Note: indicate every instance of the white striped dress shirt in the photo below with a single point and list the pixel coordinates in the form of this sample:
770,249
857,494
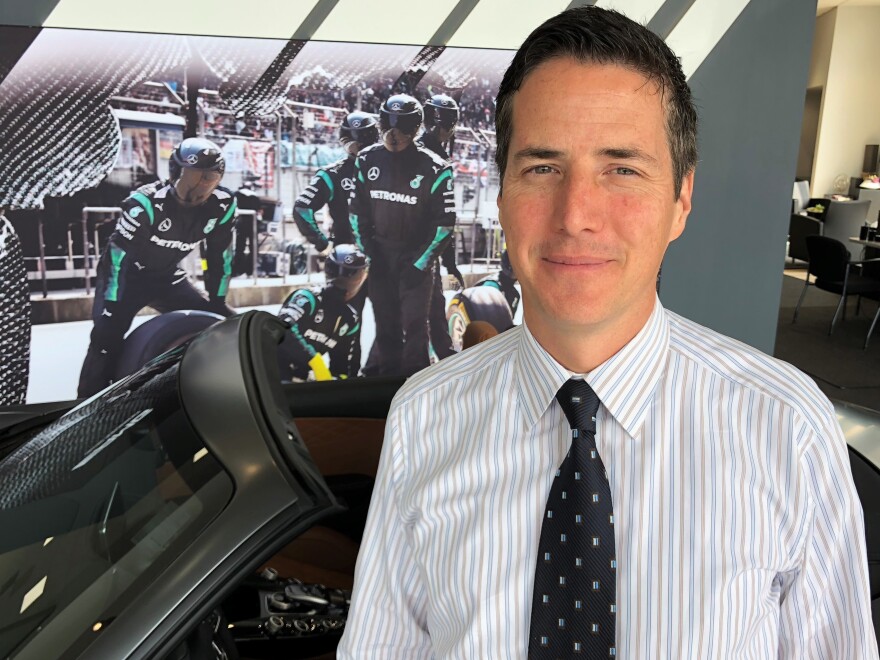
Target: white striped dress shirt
737,526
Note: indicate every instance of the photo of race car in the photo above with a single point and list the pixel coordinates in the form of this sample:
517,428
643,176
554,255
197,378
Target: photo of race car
200,508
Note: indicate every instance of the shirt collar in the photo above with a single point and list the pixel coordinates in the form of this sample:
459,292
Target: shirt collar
624,383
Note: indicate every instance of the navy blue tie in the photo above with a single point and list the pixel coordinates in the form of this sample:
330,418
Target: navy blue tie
574,606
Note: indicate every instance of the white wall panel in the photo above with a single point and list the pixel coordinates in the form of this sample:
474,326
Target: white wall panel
504,24
255,18
701,29
385,21
638,10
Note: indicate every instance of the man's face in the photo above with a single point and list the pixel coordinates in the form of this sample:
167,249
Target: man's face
588,204
352,147
396,140
194,187
444,132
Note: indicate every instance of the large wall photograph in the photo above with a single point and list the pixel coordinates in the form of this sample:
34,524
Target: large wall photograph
99,180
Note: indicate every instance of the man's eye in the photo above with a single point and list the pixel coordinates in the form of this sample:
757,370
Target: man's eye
625,171
542,169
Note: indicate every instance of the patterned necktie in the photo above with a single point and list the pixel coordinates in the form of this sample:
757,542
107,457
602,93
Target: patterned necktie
574,607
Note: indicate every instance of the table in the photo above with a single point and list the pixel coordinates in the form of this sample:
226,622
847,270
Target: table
871,244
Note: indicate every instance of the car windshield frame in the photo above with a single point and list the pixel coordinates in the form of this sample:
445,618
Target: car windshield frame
125,481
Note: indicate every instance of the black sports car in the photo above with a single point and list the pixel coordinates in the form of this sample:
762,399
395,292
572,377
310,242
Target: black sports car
201,509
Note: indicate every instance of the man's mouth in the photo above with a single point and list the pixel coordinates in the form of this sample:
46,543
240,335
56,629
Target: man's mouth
579,260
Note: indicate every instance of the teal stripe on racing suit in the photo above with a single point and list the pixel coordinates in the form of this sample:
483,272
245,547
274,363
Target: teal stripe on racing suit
146,203
436,246
117,254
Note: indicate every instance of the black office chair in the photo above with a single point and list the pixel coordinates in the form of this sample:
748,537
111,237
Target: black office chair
799,227
871,270
831,264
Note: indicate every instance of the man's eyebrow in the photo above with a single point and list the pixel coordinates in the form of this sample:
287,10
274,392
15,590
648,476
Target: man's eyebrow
627,153
538,153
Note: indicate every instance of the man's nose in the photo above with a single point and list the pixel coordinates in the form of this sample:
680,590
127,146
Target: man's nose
580,204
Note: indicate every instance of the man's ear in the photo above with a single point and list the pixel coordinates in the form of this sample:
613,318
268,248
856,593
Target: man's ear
682,206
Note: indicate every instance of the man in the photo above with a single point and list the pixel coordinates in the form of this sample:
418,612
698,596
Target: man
402,214
441,117
331,186
323,320
728,525
161,223
246,244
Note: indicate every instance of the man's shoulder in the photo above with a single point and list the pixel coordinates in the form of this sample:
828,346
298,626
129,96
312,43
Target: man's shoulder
219,209
452,376
435,159
222,194
747,367
372,152
304,297
334,169
145,194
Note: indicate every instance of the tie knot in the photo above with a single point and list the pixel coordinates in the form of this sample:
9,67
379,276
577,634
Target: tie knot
579,403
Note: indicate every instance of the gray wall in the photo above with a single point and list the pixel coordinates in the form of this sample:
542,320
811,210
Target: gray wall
726,269
25,12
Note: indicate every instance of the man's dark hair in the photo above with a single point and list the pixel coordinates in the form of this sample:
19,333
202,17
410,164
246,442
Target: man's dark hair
603,36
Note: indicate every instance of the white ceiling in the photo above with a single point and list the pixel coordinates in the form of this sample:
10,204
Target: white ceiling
828,5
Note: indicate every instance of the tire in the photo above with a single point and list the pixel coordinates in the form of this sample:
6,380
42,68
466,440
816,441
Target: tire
478,303
457,318
159,335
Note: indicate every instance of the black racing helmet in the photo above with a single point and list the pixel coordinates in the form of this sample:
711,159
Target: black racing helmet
198,154
401,111
360,127
196,168
441,110
346,268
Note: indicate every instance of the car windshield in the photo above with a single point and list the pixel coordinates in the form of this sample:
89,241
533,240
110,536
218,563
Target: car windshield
96,506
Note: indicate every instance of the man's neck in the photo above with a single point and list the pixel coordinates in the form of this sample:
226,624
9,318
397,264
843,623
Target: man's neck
582,348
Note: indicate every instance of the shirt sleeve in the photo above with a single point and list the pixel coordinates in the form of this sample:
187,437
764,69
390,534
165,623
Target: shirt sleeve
219,253
388,615
133,228
298,311
360,211
441,219
318,193
825,609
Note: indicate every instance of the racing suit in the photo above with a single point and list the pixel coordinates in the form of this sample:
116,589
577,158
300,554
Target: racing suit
243,261
139,268
437,324
321,322
332,186
402,215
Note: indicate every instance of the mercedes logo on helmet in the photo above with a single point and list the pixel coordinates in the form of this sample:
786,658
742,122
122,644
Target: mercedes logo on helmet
349,259
395,106
192,159
355,123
